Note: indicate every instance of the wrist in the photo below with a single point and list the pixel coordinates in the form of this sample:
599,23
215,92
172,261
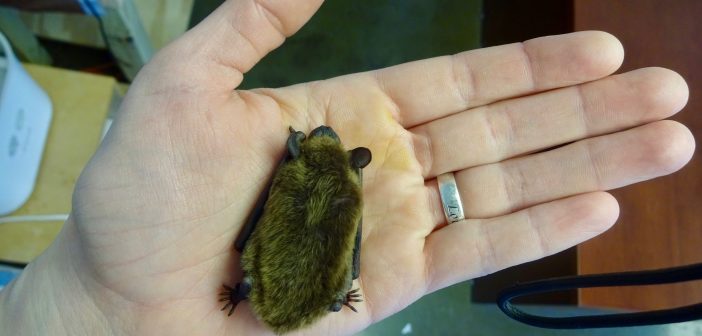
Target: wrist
50,298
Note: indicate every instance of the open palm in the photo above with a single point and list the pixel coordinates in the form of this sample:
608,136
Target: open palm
158,208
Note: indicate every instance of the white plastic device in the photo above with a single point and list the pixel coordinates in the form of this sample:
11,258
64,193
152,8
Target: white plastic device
25,116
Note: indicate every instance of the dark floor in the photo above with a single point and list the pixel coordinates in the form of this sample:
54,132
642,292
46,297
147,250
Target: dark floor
450,312
351,36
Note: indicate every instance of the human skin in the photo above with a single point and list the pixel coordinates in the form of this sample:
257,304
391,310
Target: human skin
149,240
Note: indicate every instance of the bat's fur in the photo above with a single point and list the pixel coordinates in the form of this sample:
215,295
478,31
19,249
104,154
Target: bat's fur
298,258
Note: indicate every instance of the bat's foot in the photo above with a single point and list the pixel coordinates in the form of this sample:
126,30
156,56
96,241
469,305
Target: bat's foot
232,296
352,296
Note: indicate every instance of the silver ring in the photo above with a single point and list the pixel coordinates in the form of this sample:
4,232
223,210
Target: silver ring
450,199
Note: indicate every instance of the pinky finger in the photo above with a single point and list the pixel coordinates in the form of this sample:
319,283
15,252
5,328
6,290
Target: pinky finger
473,248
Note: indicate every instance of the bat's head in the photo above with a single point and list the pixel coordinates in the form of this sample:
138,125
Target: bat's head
359,157
325,131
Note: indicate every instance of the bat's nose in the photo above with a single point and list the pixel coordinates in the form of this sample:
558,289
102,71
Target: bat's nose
324,131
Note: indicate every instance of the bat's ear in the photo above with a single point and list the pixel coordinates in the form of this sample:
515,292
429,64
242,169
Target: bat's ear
360,157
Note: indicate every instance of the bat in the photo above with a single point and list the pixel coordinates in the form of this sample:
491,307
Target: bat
301,244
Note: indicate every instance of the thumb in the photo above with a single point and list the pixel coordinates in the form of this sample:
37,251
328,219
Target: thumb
231,40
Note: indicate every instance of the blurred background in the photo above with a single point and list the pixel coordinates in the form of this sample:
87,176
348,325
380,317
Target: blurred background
82,55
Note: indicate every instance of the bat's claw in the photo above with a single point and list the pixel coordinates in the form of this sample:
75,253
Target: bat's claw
229,295
352,296
232,296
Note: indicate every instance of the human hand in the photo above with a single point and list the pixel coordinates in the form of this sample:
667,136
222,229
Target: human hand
149,241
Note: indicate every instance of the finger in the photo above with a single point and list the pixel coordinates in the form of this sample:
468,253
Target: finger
513,127
233,38
473,248
602,163
429,89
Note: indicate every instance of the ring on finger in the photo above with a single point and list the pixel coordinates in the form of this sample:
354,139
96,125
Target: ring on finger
450,198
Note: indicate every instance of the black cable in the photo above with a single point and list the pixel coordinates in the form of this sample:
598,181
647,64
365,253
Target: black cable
639,278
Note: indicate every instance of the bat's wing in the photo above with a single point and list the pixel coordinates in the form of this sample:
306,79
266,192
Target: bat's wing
293,151
360,157
356,262
252,220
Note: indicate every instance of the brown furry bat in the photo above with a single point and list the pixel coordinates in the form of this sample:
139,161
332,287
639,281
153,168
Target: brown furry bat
301,245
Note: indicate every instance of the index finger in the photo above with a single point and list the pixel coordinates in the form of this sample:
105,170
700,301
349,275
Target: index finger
433,88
